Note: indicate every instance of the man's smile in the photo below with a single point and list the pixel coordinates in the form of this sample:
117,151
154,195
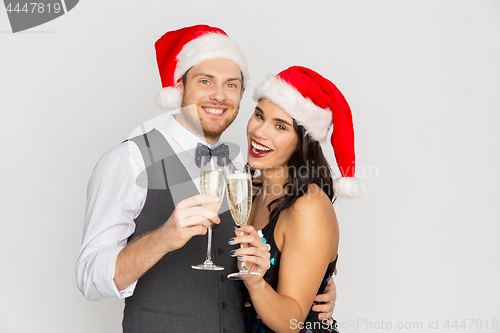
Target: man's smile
214,110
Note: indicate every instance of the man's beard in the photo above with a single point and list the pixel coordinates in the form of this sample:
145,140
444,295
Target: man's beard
212,133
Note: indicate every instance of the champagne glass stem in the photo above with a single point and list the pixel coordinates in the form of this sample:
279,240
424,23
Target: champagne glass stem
243,264
209,247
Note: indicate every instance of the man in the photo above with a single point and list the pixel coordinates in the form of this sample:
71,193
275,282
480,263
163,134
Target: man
143,217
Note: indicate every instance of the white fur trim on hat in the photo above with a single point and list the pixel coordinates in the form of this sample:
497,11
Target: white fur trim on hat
348,187
209,46
316,121
169,98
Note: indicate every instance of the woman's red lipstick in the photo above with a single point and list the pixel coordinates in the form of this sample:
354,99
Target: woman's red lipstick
256,149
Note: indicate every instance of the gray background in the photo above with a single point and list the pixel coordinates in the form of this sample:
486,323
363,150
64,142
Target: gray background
422,79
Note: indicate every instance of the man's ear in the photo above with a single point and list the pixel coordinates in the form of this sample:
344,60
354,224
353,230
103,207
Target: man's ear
180,85
242,91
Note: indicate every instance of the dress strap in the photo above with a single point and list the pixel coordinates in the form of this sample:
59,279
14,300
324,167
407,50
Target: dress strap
268,231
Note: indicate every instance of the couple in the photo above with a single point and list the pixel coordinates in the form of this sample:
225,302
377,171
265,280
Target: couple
143,219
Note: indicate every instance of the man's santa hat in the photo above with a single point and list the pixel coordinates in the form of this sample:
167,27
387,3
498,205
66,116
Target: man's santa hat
177,51
316,103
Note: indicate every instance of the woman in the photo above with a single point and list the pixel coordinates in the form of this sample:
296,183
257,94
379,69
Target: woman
293,207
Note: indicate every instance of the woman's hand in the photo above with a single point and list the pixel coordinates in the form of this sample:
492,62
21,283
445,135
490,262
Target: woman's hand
255,253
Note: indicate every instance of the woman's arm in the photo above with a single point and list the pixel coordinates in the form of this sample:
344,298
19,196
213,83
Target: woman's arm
310,236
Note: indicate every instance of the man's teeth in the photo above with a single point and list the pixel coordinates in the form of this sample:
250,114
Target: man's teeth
216,111
256,146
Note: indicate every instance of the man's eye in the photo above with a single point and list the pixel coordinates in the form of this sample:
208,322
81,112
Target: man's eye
232,85
204,81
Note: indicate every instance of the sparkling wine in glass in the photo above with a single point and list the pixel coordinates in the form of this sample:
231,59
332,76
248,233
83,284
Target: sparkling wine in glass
211,182
239,197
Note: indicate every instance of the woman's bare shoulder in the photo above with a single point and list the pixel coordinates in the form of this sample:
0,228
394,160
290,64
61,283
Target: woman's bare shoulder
314,207
312,201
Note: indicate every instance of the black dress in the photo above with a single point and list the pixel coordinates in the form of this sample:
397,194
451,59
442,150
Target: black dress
311,324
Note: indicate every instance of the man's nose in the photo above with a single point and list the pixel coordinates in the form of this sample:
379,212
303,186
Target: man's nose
218,93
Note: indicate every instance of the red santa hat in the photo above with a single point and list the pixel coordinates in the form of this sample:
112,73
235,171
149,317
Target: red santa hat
316,103
177,51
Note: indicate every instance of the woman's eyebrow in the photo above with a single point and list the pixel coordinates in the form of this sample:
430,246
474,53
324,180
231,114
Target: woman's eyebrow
277,119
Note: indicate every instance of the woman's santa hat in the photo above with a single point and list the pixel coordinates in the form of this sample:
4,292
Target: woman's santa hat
316,103
177,51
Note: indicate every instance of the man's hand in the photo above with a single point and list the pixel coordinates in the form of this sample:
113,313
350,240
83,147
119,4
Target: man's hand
187,220
328,298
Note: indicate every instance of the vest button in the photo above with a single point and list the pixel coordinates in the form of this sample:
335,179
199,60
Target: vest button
224,305
220,251
223,278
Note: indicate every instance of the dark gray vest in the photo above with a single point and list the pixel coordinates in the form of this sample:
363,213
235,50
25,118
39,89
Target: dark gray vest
171,296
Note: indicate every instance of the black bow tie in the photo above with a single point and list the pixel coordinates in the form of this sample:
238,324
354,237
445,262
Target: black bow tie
203,150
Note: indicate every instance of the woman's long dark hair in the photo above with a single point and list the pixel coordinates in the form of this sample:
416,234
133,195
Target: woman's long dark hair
306,166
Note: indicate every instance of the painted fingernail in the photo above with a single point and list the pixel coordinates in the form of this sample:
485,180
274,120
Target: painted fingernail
237,227
240,257
233,252
231,241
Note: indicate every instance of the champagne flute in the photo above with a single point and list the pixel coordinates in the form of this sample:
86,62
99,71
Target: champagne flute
211,182
239,197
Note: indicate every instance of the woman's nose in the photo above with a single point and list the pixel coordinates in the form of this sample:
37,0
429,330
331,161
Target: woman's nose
261,131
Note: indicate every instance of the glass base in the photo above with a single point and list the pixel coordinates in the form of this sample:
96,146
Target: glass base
242,275
208,266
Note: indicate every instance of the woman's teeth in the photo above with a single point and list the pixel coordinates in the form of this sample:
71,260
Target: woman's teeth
256,147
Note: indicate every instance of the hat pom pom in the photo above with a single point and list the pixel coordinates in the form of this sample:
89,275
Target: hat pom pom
348,188
169,98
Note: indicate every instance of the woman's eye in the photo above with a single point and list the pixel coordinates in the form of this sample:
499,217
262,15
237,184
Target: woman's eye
281,127
259,116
